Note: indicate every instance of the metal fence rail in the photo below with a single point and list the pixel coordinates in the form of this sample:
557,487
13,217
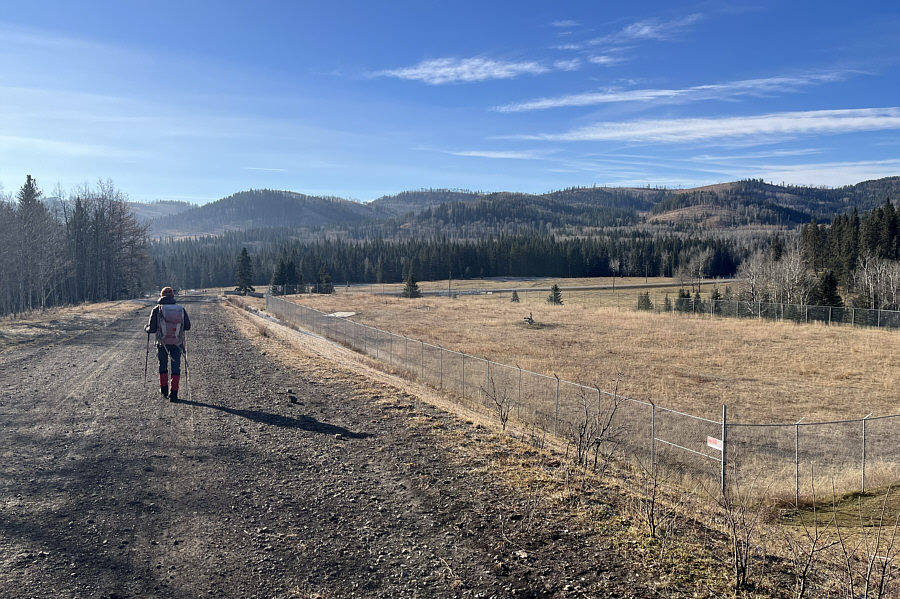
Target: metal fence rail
787,459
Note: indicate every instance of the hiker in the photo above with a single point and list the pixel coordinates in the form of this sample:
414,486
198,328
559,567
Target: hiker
169,321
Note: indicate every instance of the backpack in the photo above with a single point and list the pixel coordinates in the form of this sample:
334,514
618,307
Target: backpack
170,324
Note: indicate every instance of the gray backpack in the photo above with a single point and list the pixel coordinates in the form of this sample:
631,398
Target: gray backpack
170,324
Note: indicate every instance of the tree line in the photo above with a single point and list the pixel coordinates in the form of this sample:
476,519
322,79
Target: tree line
87,247
210,261
856,254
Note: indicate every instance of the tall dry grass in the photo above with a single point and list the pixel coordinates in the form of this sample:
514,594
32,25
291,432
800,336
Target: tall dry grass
764,371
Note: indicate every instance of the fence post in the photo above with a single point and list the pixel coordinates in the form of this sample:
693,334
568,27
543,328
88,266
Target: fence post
652,440
724,445
556,417
463,375
797,463
405,352
441,354
830,308
879,318
487,380
390,348
422,348
852,317
519,398
864,452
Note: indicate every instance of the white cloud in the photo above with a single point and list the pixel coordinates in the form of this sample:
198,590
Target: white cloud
506,155
755,155
565,24
265,169
767,126
718,91
464,70
567,65
649,29
605,60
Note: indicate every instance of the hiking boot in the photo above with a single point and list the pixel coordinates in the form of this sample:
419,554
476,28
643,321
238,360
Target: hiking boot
164,389
173,395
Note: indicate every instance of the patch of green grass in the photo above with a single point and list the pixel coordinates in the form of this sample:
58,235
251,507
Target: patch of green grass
878,507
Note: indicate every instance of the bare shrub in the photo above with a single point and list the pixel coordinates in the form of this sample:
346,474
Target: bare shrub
500,399
592,434
807,547
646,503
868,558
742,518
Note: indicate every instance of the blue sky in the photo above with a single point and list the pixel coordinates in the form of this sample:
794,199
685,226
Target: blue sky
197,100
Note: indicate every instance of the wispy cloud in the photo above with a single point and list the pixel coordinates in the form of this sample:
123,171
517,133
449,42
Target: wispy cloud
605,60
265,169
440,71
718,91
755,155
63,148
506,155
567,65
649,29
833,174
767,126
565,24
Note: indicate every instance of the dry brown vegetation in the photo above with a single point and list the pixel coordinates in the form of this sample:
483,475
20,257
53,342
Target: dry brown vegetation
28,326
764,371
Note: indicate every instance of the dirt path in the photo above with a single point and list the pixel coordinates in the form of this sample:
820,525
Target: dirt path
263,481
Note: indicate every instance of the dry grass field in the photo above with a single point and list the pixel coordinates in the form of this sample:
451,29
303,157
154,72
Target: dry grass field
59,321
764,371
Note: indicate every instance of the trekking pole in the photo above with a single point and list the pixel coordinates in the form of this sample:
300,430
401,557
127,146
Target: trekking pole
146,359
187,381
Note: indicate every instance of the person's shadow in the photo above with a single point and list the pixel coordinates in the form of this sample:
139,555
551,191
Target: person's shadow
306,423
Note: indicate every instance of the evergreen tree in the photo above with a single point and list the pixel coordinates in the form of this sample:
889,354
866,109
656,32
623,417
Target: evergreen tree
411,289
715,295
667,304
279,279
515,297
244,273
644,302
293,279
555,297
683,301
324,285
827,290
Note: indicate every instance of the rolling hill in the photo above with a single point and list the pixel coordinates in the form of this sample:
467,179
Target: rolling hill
725,205
262,208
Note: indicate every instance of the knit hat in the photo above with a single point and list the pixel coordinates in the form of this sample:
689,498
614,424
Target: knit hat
167,291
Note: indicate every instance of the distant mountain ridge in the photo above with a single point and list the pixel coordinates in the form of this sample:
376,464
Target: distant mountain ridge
145,212
735,204
261,208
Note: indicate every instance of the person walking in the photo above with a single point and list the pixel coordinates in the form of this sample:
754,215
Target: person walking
169,321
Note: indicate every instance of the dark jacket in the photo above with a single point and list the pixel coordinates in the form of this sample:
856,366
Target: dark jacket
154,315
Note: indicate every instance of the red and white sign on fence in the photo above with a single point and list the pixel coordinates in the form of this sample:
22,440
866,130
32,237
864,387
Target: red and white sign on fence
714,443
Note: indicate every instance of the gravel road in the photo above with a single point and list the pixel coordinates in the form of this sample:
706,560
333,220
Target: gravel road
262,481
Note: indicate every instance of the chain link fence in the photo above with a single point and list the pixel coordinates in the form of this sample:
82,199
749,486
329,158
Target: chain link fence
791,461
799,313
